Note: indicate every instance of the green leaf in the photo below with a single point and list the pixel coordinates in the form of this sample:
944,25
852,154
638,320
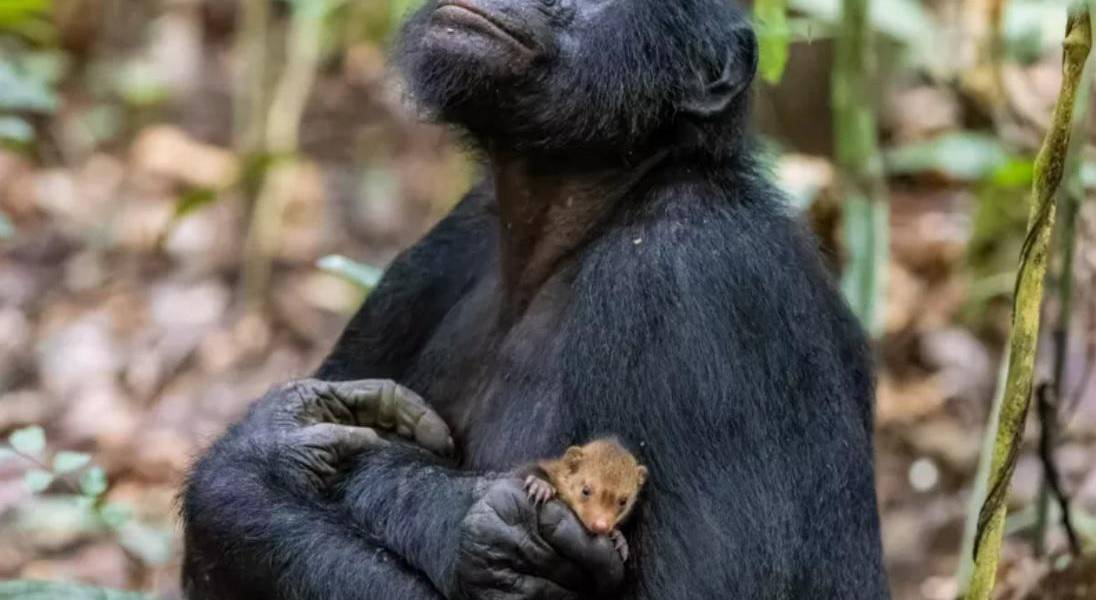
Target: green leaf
93,482
151,544
963,156
15,130
47,66
773,37
193,200
140,84
362,275
102,122
25,17
115,515
48,590
255,168
864,280
20,91
1032,27
67,462
13,11
28,440
1088,175
1017,173
37,480
55,515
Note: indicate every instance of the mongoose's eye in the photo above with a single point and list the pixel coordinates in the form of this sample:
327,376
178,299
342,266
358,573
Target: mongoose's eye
586,491
623,502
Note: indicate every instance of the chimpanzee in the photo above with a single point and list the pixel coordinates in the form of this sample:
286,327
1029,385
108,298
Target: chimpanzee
624,268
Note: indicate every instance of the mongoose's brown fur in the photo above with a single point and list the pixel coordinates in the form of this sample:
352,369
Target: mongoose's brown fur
599,481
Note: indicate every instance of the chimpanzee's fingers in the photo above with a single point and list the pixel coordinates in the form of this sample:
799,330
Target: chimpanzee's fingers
529,587
341,440
318,449
382,404
562,529
392,407
502,545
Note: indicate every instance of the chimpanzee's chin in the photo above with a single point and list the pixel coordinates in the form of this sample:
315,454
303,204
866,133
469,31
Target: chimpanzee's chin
452,80
458,55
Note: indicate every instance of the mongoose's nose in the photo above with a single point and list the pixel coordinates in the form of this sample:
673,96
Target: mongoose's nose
601,527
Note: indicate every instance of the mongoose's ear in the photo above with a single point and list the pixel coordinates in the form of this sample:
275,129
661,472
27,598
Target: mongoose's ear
573,458
642,471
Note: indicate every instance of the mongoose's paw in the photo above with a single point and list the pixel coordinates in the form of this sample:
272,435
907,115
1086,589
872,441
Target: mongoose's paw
539,490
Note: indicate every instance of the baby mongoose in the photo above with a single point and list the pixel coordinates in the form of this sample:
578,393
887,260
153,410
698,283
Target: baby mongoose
599,482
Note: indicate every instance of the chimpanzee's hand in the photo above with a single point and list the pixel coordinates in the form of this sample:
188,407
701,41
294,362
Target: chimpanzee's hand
512,550
319,424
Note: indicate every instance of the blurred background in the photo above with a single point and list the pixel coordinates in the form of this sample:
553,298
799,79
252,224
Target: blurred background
182,181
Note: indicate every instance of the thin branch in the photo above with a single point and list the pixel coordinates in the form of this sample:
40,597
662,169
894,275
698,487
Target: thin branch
862,181
1087,371
1049,167
282,133
251,96
1048,417
981,481
1069,204
63,478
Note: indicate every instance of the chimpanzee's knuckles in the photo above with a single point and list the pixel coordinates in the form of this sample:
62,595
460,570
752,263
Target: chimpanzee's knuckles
300,389
276,412
503,554
597,554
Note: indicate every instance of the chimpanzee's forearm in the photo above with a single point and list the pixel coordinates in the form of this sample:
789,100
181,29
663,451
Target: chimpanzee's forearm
414,504
250,535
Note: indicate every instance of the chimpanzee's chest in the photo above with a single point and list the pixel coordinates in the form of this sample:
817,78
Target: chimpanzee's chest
499,384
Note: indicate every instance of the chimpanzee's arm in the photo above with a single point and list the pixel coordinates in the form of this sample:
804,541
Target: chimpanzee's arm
258,520
248,539
267,514
476,535
415,293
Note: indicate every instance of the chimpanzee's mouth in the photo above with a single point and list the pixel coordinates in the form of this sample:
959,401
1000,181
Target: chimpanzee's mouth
465,14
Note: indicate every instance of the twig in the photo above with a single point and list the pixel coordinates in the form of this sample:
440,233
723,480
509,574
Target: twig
862,181
994,55
250,102
1048,418
981,481
1026,308
1088,368
72,487
1087,371
282,140
1069,204
985,82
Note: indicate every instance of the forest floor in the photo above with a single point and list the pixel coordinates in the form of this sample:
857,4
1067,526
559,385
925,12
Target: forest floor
124,332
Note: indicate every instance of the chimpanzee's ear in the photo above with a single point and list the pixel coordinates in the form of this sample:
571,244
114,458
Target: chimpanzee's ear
642,471
573,458
712,96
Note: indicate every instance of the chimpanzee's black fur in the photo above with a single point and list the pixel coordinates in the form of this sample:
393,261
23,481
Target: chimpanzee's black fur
697,323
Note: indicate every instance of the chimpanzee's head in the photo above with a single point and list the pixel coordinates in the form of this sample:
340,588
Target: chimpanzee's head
601,76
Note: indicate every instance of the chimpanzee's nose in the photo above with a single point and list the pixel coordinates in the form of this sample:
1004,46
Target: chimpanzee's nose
601,527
